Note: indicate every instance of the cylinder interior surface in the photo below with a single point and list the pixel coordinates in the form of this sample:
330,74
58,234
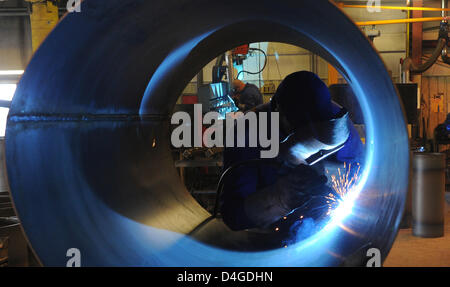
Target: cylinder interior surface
428,183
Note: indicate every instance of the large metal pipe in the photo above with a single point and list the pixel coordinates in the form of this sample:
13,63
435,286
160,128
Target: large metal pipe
409,65
87,148
428,183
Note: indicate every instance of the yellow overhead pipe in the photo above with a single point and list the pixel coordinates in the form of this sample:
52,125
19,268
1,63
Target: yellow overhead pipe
399,21
395,7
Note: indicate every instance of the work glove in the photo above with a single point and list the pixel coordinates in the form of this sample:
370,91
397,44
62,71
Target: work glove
291,191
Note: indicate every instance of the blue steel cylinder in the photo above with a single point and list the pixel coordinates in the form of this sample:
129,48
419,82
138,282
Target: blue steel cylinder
81,164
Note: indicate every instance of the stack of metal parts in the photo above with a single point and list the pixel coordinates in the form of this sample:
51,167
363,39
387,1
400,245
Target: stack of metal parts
6,209
13,246
3,240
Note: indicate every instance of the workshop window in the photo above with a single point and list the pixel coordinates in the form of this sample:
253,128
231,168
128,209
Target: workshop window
6,94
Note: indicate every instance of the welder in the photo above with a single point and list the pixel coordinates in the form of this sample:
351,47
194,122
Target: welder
316,135
246,95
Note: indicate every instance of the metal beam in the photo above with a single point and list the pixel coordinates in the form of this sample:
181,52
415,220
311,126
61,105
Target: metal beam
43,18
417,34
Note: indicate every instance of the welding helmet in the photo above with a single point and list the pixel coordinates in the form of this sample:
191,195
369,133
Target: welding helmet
313,128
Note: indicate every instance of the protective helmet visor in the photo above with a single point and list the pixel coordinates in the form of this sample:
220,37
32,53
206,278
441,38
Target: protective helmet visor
316,141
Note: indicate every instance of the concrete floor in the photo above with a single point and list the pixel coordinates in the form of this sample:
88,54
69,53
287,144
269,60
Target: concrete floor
411,251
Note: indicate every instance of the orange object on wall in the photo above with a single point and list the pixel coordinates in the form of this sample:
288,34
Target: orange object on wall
189,100
241,50
333,75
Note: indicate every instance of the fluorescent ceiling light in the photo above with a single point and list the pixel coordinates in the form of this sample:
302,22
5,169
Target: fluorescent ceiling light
3,119
11,72
7,91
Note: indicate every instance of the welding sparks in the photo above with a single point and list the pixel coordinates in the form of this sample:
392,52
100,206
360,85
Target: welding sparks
330,209
342,184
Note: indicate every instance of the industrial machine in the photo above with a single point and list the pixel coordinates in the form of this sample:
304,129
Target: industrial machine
216,97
